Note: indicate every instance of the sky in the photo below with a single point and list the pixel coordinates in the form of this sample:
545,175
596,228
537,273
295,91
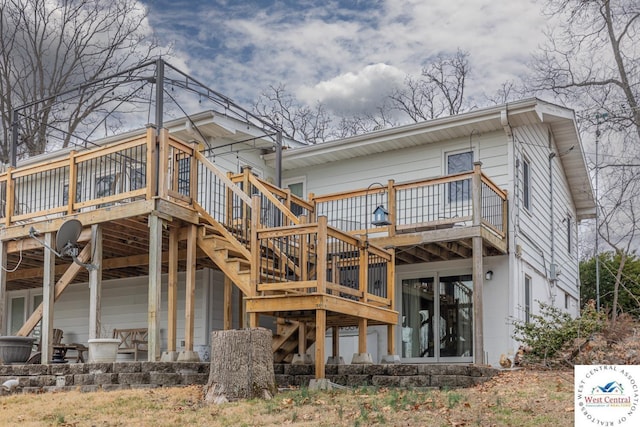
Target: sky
347,54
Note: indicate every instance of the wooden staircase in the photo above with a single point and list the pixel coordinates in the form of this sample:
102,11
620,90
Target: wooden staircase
289,267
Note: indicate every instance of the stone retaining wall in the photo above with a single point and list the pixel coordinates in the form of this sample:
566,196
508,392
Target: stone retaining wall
105,376
117,376
393,375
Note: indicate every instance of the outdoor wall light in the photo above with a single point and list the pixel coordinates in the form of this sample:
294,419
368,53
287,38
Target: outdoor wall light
488,275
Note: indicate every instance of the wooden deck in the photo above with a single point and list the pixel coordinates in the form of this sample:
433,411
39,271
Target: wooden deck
161,207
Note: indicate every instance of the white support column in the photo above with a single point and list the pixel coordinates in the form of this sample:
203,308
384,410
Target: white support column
95,284
48,295
155,286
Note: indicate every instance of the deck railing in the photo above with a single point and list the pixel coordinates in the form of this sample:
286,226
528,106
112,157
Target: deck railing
127,171
318,258
419,205
83,181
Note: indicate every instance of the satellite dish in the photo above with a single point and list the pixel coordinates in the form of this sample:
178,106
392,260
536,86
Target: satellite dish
67,238
66,241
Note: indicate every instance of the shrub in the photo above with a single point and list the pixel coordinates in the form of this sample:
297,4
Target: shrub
552,329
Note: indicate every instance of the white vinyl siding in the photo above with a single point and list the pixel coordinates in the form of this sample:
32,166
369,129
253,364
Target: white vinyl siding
408,164
534,234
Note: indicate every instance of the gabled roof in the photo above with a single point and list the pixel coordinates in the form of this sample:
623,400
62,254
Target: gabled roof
561,120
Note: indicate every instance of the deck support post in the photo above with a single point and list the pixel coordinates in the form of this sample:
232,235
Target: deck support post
362,357
172,297
48,298
227,303
3,287
478,284
321,326
155,286
95,284
335,358
477,273
188,355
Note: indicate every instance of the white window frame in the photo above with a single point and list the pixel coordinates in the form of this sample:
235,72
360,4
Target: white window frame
413,274
29,306
297,180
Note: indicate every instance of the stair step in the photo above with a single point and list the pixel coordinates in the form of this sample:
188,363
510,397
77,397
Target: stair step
242,264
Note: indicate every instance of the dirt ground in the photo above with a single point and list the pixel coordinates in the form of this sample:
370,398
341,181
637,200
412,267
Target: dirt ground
516,398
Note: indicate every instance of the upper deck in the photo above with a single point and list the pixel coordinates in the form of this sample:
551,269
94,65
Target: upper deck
122,183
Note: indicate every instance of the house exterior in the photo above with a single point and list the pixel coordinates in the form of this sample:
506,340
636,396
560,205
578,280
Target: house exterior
479,221
532,150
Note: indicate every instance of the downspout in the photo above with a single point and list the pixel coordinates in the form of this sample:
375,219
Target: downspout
552,266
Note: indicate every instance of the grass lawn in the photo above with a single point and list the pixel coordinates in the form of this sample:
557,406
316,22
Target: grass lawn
514,398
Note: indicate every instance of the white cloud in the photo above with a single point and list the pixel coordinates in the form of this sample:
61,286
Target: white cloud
351,92
326,51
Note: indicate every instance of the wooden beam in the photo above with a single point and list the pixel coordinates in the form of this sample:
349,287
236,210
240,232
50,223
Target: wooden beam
457,249
95,284
436,251
190,292
330,303
477,273
227,304
335,342
321,327
62,284
172,297
29,244
112,213
478,313
107,264
155,286
362,336
429,236
391,340
302,338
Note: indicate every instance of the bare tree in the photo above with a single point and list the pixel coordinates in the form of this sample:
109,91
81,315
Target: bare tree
619,219
438,91
590,59
358,124
298,121
48,47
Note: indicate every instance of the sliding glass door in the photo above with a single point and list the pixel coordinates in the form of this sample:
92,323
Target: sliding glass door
437,320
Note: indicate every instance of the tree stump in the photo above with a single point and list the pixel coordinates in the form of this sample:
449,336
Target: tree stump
241,366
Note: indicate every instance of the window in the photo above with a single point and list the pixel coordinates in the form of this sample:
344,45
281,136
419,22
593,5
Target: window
456,163
526,184
297,187
21,305
137,177
107,185
65,192
527,299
